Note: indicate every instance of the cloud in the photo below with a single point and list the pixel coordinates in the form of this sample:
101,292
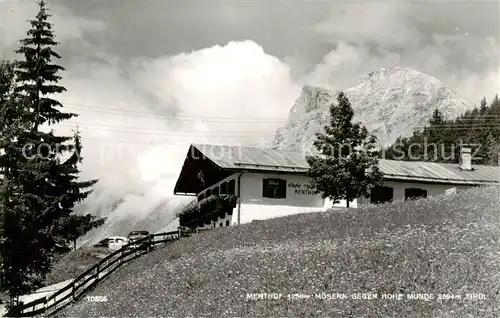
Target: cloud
68,27
456,44
362,23
137,123
343,66
237,81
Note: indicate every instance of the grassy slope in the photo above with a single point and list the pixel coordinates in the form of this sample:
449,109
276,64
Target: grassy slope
436,245
75,263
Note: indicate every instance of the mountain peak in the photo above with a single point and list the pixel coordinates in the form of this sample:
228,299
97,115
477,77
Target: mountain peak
390,102
393,69
311,88
397,76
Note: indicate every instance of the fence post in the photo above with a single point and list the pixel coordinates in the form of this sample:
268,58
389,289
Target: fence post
15,308
73,290
180,232
44,304
96,274
121,256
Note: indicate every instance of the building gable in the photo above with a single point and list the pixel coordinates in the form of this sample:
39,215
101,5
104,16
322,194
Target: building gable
197,173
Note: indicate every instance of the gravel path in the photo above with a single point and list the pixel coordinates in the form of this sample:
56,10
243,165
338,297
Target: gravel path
437,245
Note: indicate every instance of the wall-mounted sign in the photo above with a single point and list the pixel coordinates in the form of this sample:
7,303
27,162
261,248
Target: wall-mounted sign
302,188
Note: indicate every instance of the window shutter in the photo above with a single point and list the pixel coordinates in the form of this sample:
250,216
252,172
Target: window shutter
282,189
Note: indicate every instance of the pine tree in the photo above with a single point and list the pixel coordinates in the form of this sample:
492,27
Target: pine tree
6,81
483,106
12,124
492,150
6,89
346,166
36,74
39,189
71,226
11,111
495,104
435,137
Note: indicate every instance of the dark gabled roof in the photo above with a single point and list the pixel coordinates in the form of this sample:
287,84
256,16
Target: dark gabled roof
238,158
251,158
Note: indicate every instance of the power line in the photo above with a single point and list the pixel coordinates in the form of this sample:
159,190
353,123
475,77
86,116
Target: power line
152,142
143,130
160,115
477,116
451,127
230,135
156,115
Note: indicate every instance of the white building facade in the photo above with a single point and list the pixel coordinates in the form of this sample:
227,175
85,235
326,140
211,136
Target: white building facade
265,195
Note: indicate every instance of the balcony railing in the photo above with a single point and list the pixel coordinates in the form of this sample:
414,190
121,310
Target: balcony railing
207,210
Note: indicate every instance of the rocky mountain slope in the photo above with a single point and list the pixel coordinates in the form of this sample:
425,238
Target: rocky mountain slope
390,102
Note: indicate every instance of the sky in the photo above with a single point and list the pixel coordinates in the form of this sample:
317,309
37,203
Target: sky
150,77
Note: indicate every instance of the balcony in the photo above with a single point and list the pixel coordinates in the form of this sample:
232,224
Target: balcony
197,214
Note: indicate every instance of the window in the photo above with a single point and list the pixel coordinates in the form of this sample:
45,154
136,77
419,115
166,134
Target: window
209,192
274,188
227,223
381,194
201,197
215,191
415,193
220,224
231,187
223,188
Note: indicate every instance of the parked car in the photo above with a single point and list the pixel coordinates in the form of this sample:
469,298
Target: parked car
112,242
137,235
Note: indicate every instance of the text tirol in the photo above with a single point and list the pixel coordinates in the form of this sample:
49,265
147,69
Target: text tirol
301,188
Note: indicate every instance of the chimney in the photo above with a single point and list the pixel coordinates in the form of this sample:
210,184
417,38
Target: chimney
465,162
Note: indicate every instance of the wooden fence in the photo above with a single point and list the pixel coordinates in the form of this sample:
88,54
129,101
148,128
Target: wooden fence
47,306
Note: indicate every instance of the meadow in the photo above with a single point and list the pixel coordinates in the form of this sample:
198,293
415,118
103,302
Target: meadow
439,245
